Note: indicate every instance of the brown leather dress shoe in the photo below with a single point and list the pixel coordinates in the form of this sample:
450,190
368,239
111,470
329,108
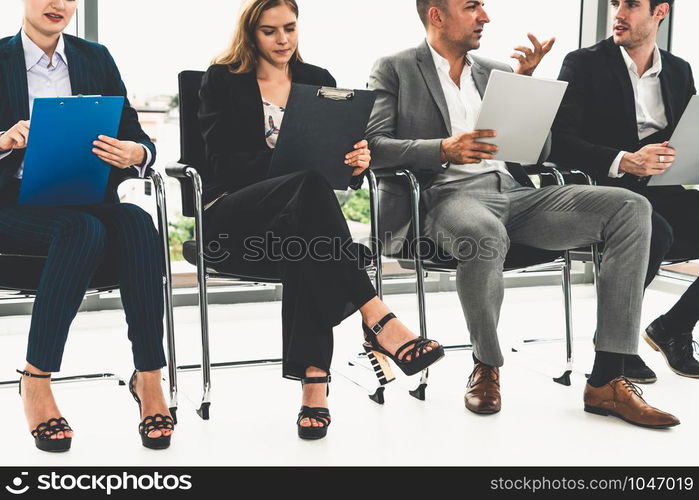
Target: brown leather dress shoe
483,390
621,398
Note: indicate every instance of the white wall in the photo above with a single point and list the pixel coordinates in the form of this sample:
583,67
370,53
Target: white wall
685,38
165,36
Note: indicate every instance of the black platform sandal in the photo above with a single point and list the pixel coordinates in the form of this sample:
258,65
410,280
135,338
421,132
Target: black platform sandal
45,430
320,415
150,423
377,354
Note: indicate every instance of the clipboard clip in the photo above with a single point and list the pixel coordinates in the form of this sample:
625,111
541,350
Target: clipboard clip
335,94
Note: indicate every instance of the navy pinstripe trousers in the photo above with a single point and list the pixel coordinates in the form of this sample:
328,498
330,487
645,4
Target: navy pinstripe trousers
76,241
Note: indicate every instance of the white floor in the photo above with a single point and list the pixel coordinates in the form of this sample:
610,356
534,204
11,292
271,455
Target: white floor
254,410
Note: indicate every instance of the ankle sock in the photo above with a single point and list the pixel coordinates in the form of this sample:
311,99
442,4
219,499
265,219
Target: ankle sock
607,367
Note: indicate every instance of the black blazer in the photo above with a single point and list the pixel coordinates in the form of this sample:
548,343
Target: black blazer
231,118
92,72
597,119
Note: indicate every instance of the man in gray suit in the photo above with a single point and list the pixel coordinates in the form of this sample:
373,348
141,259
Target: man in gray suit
427,101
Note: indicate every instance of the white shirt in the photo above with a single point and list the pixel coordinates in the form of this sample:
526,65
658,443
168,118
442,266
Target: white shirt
648,94
50,78
464,104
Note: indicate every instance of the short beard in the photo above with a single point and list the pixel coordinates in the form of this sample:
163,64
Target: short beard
637,38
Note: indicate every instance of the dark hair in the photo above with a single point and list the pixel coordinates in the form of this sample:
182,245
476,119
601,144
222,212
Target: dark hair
655,3
241,55
424,6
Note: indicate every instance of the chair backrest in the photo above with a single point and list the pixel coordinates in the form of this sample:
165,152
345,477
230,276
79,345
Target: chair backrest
191,142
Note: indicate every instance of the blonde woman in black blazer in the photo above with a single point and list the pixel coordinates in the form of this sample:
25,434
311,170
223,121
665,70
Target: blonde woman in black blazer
243,96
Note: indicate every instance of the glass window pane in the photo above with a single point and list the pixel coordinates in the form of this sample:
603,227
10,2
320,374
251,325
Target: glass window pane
349,41
511,20
685,38
11,18
166,37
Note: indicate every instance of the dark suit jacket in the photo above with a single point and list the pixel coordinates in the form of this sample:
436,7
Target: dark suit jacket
597,119
92,72
231,118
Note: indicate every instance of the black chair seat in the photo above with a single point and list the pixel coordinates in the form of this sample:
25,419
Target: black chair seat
236,268
519,257
22,272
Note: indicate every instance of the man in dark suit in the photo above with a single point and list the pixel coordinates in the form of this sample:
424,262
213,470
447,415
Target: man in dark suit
427,102
623,103
41,61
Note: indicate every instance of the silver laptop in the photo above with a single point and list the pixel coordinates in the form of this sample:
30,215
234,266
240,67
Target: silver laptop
521,109
685,141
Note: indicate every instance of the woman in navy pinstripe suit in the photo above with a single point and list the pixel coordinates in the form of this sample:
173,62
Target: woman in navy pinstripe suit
41,61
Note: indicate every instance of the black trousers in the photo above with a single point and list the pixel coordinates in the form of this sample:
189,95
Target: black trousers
292,227
675,236
76,240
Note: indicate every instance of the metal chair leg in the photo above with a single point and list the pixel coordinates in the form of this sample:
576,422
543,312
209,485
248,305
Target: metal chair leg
375,242
163,229
568,303
203,410
419,391
378,395
596,264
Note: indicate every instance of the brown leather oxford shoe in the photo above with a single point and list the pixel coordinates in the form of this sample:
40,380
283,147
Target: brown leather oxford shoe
621,398
483,390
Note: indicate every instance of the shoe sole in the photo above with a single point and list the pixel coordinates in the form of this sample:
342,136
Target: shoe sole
483,412
657,348
160,443
382,368
54,445
438,355
642,380
311,437
606,413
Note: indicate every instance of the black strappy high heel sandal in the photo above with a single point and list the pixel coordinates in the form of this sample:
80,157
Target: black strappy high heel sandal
377,354
150,423
320,415
43,432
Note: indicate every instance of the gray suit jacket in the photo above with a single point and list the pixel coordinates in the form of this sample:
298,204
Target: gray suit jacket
407,125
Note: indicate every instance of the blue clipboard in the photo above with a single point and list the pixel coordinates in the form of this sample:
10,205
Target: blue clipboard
60,168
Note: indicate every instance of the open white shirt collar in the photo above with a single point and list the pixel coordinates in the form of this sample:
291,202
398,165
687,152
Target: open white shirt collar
441,63
654,70
33,54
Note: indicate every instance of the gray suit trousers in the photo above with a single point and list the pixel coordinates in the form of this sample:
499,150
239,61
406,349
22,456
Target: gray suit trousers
475,220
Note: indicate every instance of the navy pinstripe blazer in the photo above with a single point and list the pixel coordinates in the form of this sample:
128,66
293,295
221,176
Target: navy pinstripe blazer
92,72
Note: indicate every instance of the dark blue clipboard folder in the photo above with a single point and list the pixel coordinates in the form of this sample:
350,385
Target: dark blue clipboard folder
60,168
321,125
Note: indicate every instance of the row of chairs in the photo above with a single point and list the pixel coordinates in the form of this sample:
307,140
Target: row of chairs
187,171
19,274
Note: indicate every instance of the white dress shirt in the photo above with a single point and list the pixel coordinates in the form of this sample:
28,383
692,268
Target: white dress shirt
50,78
648,94
464,104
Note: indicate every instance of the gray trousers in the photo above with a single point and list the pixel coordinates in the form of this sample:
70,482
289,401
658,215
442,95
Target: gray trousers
475,220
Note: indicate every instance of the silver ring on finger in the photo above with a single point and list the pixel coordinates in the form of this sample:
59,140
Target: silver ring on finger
661,159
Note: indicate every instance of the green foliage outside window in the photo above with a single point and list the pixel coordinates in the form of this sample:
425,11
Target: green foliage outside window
180,229
356,208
